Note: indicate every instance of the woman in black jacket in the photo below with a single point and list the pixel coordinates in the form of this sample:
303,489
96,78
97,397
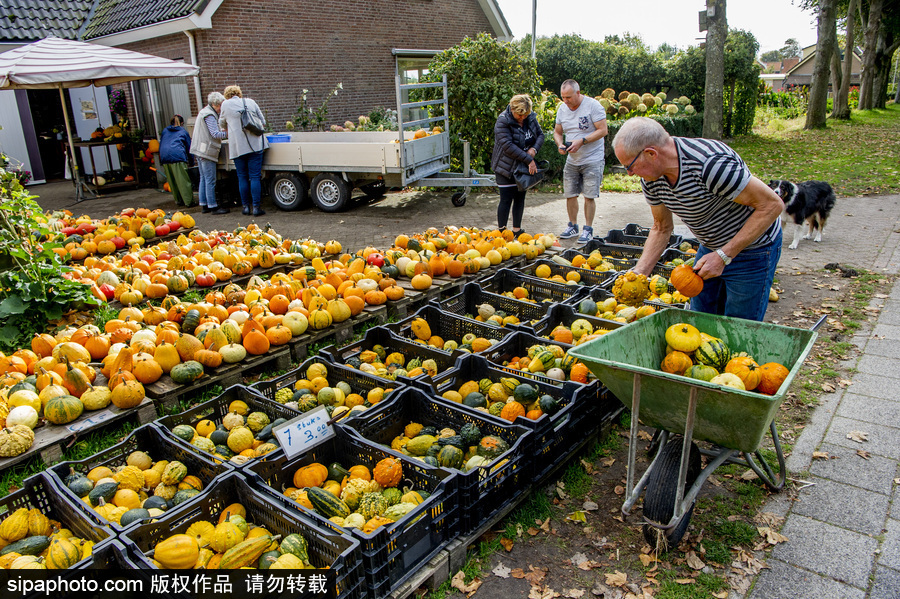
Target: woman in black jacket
517,139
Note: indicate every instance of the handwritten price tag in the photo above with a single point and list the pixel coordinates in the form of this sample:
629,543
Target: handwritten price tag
298,435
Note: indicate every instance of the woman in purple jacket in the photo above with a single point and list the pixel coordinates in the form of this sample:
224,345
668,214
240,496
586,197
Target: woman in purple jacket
517,139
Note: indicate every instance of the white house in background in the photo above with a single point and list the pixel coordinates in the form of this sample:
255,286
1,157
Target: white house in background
801,73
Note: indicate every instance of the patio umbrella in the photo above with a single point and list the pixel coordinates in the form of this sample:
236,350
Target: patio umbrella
55,63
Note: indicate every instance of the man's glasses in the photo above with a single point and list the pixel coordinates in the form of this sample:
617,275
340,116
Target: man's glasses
631,164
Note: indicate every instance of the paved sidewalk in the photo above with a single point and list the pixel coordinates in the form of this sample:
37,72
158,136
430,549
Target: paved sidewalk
843,528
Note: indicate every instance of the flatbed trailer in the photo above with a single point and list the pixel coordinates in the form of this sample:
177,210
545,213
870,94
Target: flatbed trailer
329,165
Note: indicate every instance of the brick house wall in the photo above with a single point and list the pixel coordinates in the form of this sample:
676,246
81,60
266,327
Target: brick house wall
289,46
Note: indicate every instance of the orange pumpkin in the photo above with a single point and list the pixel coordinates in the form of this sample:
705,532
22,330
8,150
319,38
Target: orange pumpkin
772,375
512,410
579,373
256,343
376,297
686,281
676,362
388,472
312,475
278,335
746,369
394,292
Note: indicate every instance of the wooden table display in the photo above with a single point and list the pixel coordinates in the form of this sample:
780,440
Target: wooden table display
91,144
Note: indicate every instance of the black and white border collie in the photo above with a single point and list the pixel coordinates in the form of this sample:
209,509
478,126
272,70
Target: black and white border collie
810,201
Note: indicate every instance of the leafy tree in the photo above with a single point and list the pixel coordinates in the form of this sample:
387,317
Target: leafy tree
771,56
687,74
597,66
627,39
791,49
483,73
741,81
666,51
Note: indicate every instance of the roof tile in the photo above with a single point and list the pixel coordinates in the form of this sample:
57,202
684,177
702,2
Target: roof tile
32,20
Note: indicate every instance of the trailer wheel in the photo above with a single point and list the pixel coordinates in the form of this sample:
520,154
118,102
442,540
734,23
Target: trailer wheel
662,487
458,199
330,192
288,190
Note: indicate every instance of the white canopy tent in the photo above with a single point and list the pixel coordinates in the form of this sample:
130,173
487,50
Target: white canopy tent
55,63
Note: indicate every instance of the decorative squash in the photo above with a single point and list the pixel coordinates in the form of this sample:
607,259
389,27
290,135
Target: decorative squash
178,552
676,362
326,503
686,281
186,372
312,475
62,410
772,375
388,472
128,395
683,337
746,369
712,352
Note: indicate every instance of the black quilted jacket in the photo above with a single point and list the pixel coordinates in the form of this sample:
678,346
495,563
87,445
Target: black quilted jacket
511,141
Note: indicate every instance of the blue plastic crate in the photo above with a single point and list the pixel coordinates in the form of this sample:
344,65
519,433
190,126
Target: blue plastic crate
279,139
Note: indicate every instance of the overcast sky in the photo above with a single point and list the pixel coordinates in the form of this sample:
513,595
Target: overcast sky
658,21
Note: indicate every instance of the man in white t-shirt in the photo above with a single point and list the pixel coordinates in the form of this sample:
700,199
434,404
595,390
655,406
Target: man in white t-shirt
580,129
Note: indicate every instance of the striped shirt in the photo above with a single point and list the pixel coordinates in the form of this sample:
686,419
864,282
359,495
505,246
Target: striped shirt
710,176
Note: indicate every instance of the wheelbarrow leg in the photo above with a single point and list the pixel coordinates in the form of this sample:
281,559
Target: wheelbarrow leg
763,470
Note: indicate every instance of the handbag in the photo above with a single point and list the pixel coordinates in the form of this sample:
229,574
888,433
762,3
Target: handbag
525,180
250,122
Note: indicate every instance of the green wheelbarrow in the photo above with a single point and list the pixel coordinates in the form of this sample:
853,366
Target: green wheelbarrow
686,410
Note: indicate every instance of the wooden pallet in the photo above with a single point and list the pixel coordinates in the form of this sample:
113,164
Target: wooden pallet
167,392
50,440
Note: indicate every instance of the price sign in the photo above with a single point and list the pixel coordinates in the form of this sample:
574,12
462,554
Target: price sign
297,435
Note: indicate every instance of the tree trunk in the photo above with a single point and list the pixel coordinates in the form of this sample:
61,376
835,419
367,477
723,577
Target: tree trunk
870,53
713,99
883,74
836,74
730,119
842,98
818,91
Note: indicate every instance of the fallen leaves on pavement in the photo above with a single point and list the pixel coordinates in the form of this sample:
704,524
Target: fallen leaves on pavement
858,436
459,582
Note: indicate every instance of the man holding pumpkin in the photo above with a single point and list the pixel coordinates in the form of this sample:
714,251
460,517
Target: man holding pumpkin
733,214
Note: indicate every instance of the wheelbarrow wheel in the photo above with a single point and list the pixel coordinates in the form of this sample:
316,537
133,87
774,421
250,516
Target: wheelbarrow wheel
662,489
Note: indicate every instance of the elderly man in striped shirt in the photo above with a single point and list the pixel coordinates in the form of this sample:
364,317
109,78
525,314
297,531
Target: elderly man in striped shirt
733,214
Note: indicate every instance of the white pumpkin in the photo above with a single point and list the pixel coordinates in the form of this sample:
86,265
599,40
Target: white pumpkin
296,322
22,415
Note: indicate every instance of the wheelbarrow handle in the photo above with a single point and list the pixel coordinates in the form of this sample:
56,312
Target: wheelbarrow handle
818,324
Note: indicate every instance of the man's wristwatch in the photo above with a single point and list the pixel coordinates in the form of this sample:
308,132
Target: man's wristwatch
584,141
725,257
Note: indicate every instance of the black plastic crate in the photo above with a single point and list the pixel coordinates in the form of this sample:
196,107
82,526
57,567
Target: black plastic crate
588,277
466,304
327,547
111,556
576,402
217,408
539,290
41,492
390,554
359,381
482,492
564,314
612,250
157,445
618,264
637,236
447,326
598,295
391,343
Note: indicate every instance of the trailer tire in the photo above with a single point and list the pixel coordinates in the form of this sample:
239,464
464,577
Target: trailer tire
330,192
288,190
458,199
662,487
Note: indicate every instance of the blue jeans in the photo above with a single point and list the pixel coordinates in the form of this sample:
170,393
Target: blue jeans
249,172
207,182
742,290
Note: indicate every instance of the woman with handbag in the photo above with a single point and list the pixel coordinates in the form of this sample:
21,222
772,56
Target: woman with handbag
517,140
244,121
